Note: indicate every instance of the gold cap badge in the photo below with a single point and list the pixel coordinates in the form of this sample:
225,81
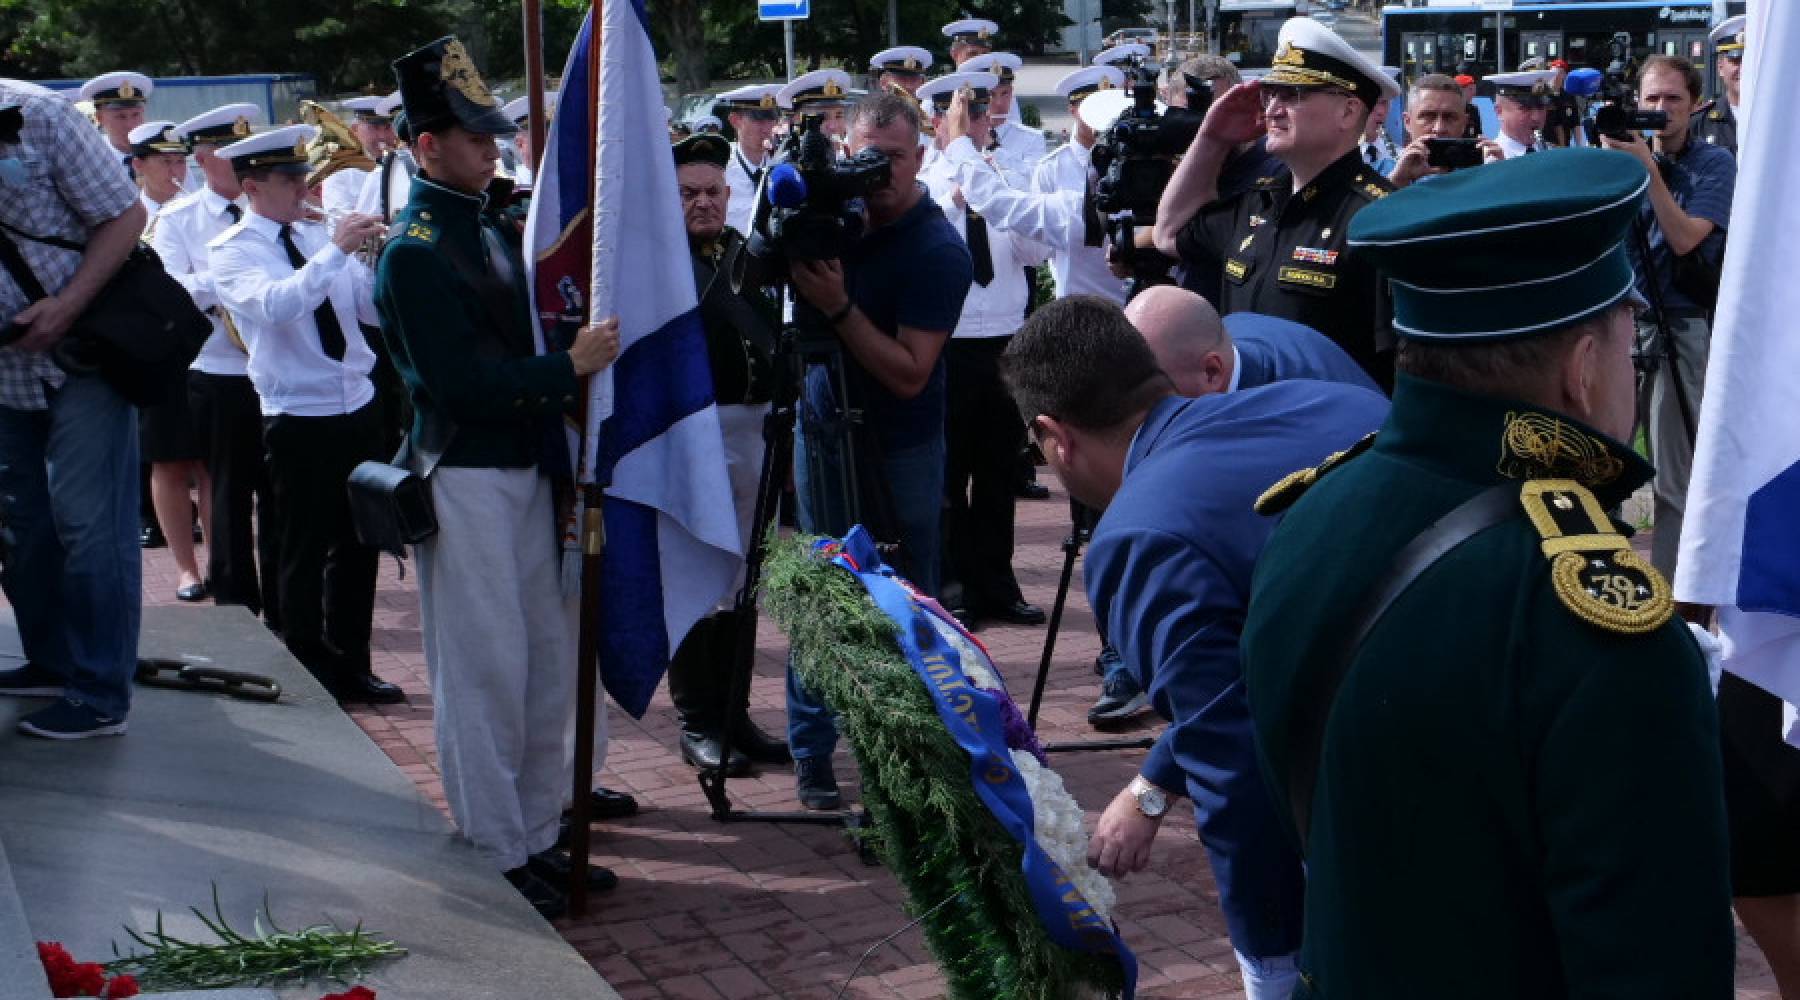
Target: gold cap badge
458,70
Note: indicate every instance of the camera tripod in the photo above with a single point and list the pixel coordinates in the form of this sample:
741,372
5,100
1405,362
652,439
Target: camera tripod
1081,528
1661,348
797,347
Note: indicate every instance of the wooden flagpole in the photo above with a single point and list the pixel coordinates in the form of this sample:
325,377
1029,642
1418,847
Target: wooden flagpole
593,546
534,79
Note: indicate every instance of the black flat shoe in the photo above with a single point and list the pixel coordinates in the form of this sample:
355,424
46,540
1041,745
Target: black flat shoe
759,746
194,592
1018,613
1031,489
605,803
368,689
545,898
152,538
553,867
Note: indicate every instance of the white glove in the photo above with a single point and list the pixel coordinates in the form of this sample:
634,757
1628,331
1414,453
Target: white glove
1710,649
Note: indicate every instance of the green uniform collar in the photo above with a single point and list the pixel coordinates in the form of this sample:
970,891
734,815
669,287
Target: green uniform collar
1487,440
429,194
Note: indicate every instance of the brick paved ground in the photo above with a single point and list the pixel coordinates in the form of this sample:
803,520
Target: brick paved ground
708,910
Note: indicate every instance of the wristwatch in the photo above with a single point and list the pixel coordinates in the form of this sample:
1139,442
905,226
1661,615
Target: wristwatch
1152,801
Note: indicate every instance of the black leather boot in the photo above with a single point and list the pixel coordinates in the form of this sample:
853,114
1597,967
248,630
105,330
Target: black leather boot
746,735
700,700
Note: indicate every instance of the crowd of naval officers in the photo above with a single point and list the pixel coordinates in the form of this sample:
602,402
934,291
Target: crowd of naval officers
279,236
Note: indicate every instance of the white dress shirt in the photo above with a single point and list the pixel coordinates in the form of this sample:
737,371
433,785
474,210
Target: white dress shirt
341,189
1513,147
272,305
153,208
1079,269
180,238
1021,145
368,200
742,206
997,309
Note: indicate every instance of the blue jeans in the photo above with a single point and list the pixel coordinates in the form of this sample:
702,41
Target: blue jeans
74,573
915,478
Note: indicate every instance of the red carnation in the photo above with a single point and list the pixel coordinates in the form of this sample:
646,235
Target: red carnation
354,993
120,988
55,957
88,979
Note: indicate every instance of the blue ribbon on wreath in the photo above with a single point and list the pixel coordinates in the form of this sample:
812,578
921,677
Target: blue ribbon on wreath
973,718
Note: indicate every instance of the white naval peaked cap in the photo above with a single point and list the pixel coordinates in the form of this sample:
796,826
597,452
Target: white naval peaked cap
155,137
821,86
283,147
1001,64
389,105
1127,52
1102,108
1088,79
940,90
1727,34
519,108
123,87
1522,80
901,59
365,105
228,121
973,29
1308,54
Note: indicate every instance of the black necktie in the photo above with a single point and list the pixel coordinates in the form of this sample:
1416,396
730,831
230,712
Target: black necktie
236,213
331,335
1371,154
1531,148
978,249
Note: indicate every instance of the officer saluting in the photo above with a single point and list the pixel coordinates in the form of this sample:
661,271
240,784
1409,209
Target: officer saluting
1496,744
1281,243
1715,122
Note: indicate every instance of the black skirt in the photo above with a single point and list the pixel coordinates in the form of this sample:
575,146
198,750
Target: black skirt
1762,791
167,431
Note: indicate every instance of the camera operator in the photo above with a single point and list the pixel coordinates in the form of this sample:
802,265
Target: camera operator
891,302
1716,122
1281,244
1436,109
1689,208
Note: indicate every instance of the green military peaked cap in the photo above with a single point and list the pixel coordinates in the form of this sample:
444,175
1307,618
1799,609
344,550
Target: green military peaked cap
1525,246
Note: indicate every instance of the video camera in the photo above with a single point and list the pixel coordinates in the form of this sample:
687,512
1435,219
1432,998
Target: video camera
1136,157
1613,112
806,208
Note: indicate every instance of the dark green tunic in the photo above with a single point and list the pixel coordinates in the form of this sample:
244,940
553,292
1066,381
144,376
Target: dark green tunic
481,395
1514,801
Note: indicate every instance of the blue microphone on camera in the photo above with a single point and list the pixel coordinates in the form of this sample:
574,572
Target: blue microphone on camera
786,187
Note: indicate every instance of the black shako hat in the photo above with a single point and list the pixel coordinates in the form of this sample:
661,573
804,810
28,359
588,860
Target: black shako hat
440,87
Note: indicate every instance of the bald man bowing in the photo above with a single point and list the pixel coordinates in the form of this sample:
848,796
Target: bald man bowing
1204,355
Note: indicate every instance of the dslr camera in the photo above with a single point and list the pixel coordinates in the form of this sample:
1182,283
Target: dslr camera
808,207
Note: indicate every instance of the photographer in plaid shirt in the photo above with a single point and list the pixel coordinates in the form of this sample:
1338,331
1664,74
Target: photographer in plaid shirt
68,443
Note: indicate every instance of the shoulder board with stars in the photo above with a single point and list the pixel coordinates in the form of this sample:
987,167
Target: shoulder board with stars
1284,494
1593,569
1267,183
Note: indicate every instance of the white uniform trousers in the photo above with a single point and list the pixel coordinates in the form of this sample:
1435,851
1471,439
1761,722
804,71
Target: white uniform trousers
741,425
500,647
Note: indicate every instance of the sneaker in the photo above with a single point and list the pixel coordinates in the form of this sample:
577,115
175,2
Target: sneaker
69,719
543,897
31,681
1120,699
815,784
1107,660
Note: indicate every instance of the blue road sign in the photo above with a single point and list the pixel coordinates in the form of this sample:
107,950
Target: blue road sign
783,10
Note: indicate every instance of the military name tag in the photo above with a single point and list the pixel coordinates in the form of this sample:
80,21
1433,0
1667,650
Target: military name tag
1236,269
1311,279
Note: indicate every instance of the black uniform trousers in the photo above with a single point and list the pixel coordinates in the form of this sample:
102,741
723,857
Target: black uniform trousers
327,577
241,554
983,434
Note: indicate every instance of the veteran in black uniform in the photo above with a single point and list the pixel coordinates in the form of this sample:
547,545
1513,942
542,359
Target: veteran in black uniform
1281,243
499,631
1715,122
1495,743
741,327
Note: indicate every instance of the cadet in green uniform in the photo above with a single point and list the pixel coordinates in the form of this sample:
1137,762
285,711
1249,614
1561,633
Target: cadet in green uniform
499,632
1281,243
1496,744
1715,122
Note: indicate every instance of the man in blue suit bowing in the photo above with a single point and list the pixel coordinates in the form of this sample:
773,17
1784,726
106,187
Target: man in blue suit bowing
1168,575
1202,356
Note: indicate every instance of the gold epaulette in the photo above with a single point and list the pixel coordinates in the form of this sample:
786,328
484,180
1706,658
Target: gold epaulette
1294,485
1592,567
1375,191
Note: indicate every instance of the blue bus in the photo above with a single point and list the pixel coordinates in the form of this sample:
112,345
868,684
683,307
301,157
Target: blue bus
1495,38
